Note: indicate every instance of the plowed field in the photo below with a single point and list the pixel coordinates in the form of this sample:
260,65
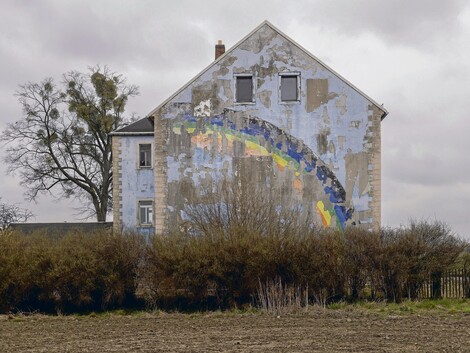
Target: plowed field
318,331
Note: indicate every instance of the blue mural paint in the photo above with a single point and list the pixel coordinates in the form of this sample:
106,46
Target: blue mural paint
329,191
321,174
342,215
309,167
292,152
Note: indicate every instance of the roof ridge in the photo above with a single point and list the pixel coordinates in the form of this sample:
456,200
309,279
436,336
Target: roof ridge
265,22
236,45
341,77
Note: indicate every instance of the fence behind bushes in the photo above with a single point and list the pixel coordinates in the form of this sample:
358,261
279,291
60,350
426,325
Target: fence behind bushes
450,284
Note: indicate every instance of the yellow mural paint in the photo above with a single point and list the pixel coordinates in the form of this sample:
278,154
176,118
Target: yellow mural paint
325,215
252,148
177,130
280,161
256,148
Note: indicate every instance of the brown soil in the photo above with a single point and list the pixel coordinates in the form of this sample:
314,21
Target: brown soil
318,331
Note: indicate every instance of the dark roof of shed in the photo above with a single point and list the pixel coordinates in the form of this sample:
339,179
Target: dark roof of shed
60,228
144,125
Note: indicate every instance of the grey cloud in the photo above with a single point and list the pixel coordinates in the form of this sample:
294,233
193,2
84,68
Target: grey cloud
403,202
82,30
419,22
428,169
426,149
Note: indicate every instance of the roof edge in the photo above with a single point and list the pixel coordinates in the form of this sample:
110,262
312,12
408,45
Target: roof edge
143,127
266,22
328,68
207,68
115,133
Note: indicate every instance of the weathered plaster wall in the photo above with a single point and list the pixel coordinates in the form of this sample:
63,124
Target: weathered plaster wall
117,186
136,183
336,125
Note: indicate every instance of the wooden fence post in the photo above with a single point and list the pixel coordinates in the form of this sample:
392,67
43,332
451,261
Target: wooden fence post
436,284
466,283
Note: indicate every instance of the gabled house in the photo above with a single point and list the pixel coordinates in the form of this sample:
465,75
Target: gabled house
268,113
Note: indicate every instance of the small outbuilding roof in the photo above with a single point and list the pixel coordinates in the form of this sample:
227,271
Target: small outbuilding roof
140,127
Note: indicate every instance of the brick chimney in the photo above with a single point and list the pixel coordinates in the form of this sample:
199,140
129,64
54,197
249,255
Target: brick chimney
219,49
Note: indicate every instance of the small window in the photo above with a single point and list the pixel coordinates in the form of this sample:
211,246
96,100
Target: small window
244,89
145,154
145,213
289,88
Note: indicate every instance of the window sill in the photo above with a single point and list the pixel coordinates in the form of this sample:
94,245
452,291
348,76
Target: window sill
289,102
244,103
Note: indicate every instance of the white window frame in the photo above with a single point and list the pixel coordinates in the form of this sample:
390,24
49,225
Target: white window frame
253,84
150,155
147,205
289,74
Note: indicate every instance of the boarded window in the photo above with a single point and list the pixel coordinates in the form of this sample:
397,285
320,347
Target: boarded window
244,89
289,88
145,155
145,212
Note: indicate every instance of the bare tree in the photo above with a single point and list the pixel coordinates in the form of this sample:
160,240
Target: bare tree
229,206
12,214
62,143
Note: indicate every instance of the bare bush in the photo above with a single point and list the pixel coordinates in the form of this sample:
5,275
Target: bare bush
229,208
11,213
412,254
321,265
74,272
277,298
232,237
209,268
362,262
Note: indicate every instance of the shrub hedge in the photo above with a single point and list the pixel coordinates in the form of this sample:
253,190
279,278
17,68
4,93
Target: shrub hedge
72,273
218,268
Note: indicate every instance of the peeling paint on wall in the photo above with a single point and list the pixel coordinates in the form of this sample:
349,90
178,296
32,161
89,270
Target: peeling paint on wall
203,109
318,94
322,151
341,104
220,143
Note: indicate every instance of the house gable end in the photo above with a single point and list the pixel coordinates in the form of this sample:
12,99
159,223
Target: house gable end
209,131
256,40
267,115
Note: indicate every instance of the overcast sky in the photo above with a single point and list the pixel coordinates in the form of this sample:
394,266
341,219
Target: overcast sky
411,55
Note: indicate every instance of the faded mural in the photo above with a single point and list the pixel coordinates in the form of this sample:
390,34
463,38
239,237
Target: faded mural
220,143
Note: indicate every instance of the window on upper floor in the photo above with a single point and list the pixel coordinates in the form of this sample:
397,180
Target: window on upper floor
289,87
145,212
145,155
244,89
